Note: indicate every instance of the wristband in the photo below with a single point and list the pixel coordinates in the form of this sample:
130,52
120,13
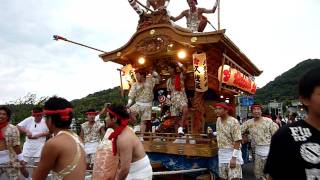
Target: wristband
20,157
235,152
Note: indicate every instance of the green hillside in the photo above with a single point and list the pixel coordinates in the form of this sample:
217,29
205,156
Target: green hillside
284,87
97,100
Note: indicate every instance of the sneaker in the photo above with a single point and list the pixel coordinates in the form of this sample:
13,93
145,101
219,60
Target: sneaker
157,140
209,130
180,131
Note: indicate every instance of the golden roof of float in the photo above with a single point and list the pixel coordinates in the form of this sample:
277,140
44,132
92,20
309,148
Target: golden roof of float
154,40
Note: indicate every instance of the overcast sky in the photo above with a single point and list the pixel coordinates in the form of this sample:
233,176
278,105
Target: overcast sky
274,34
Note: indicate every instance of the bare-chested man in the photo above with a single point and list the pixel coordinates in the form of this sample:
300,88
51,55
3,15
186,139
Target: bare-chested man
63,154
134,163
10,151
196,22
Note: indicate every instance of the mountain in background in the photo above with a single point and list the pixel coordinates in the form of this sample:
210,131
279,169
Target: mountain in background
285,86
97,100
22,107
282,88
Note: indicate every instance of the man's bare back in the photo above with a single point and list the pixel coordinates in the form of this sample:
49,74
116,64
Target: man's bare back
61,151
66,155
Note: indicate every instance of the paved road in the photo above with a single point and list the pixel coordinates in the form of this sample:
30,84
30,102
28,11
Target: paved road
247,171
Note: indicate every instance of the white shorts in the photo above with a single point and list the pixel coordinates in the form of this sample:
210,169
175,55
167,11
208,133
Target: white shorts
4,157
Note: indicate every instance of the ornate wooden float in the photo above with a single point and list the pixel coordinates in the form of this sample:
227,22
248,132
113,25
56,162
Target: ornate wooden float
225,72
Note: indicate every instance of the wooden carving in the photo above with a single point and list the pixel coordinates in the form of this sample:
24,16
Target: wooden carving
153,45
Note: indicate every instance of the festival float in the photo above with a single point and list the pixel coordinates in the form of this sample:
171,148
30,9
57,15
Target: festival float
216,70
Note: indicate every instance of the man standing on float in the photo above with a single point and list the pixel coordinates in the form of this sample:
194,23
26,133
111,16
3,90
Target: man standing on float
142,93
178,99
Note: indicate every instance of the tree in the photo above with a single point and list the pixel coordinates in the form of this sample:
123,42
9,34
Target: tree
23,106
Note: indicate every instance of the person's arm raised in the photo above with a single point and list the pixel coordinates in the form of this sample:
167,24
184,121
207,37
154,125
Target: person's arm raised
204,10
49,155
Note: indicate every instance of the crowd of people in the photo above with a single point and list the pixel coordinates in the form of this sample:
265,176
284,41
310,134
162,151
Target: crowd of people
54,149
288,150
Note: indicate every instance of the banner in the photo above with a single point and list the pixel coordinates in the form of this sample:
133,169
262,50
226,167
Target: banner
200,72
245,100
235,78
128,76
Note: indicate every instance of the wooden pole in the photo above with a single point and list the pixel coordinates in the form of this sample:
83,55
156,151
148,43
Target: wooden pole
121,85
56,37
218,14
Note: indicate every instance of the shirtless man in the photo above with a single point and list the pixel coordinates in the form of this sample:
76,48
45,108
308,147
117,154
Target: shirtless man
134,163
196,22
63,154
10,151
